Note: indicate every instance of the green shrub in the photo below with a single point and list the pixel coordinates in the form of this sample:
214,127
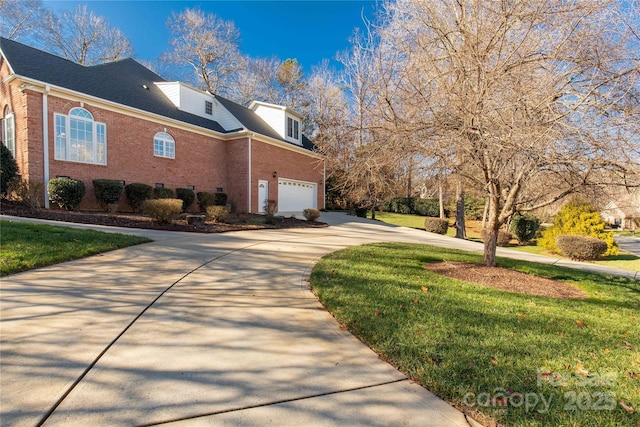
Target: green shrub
220,199
108,192
137,193
217,213
187,196
361,212
524,227
413,205
581,219
473,207
504,237
162,193
436,225
205,199
311,214
8,168
583,248
66,192
163,211
26,192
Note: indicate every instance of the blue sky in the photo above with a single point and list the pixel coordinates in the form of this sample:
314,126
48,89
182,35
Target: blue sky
309,31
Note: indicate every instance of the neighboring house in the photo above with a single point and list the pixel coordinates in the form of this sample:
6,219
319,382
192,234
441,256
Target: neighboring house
624,211
122,121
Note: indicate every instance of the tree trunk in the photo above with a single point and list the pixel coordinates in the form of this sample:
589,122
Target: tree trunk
373,212
461,232
484,213
441,201
490,245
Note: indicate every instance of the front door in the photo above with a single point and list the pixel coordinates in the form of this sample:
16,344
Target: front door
263,195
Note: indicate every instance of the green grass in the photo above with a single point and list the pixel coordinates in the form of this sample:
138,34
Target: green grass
625,260
467,342
26,246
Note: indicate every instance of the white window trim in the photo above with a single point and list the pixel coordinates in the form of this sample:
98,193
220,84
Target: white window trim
67,139
295,128
9,140
160,136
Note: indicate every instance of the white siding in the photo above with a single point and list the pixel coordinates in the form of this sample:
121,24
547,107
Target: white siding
275,117
193,101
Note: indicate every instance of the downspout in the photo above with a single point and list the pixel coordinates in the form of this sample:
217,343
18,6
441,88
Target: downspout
249,176
324,184
45,142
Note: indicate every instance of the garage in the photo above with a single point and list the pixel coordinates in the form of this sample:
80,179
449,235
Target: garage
296,196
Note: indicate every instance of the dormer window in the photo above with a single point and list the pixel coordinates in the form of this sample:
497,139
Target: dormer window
208,107
293,128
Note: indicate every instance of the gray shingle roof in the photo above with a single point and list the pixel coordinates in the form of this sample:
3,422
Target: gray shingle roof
122,82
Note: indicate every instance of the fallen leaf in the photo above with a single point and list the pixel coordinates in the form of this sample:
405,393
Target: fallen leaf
581,323
419,332
522,315
531,303
416,301
627,345
580,370
378,312
424,289
627,408
494,361
606,350
634,375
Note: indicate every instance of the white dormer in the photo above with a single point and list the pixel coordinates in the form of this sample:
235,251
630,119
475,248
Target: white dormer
199,103
283,120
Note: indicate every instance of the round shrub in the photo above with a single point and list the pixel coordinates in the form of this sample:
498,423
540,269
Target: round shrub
137,193
582,248
66,192
187,196
108,191
436,225
220,199
311,214
162,193
217,213
524,227
361,212
8,168
205,199
504,237
163,211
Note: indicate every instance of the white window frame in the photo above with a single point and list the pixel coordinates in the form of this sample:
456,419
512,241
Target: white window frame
67,148
164,145
293,128
208,108
9,132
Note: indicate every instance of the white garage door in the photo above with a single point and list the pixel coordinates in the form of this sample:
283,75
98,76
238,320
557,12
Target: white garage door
296,196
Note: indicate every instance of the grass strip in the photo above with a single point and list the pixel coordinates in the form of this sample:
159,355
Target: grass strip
25,246
515,359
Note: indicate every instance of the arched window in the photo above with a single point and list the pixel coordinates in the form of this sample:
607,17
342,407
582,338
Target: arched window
164,145
9,131
79,138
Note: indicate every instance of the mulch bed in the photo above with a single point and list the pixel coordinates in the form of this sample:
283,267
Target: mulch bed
237,222
506,279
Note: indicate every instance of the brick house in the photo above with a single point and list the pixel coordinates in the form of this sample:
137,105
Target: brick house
122,121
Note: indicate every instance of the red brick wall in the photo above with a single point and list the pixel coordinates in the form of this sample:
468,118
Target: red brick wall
267,159
199,160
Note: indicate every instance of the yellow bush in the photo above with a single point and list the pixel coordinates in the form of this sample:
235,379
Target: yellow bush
163,211
217,213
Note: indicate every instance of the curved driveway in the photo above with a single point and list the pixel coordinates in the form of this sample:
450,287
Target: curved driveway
196,329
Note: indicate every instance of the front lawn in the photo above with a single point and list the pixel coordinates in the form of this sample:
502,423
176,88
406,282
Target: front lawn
26,246
518,359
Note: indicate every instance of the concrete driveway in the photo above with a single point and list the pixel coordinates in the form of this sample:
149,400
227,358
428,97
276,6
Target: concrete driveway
198,329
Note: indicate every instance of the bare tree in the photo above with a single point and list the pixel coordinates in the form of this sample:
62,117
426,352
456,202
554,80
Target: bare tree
208,45
531,101
84,37
20,19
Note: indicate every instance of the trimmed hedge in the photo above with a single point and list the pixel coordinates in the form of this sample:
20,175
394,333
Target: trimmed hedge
187,196
162,193
205,200
163,211
108,191
504,237
8,168
66,192
311,214
217,213
436,225
583,248
137,193
415,206
361,212
220,199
